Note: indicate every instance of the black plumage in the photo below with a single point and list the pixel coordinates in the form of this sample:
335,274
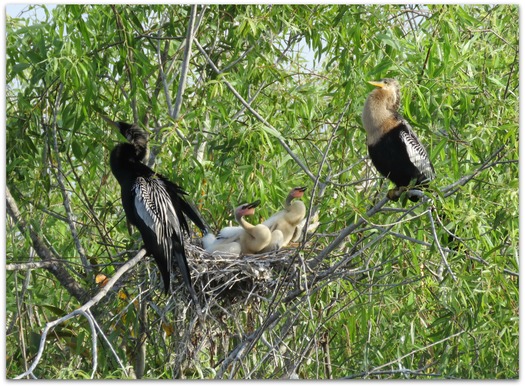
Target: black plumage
155,205
394,148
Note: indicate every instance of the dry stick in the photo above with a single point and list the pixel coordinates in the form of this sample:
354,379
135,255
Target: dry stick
257,115
263,85
101,333
314,189
246,346
240,349
128,60
182,82
43,342
172,63
316,181
32,265
440,249
447,191
43,251
84,310
67,205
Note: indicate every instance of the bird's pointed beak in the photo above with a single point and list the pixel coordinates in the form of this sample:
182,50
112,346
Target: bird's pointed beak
254,204
298,192
111,122
377,83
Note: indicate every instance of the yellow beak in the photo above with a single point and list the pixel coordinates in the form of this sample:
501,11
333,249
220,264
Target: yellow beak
377,84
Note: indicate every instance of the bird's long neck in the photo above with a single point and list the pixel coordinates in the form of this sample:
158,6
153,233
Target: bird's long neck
125,163
379,115
288,201
296,212
244,223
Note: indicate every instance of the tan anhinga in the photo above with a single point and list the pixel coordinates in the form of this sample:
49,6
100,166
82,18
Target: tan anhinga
153,204
288,220
395,150
254,238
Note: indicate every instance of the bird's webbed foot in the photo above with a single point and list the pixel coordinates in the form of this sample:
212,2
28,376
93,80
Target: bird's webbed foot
395,193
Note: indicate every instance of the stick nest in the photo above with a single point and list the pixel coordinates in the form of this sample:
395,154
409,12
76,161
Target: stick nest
236,278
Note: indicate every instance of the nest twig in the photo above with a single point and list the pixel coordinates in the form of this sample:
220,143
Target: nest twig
235,278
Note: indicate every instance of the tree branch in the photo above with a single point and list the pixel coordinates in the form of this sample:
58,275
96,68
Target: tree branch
84,310
43,251
185,62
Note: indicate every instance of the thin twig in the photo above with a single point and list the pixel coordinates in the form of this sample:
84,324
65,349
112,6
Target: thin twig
67,205
161,71
375,369
440,249
347,231
32,265
452,188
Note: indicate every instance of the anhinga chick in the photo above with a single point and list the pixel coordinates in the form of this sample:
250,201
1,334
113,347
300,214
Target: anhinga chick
154,205
395,150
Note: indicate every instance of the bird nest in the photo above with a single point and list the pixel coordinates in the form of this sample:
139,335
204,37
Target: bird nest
236,278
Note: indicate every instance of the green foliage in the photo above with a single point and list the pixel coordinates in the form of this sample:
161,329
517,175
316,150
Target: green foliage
387,312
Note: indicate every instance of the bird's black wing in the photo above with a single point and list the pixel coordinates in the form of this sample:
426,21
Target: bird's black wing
417,153
181,203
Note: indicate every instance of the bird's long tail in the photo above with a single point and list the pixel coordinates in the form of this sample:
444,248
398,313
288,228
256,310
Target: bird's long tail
182,263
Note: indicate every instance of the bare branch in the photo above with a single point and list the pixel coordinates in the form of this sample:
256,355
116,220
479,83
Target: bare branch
33,265
185,62
345,232
161,71
452,188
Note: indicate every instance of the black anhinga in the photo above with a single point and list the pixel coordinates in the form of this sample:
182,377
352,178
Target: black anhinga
154,205
395,150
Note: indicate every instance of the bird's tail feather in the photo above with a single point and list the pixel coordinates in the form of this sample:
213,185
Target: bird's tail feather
182,263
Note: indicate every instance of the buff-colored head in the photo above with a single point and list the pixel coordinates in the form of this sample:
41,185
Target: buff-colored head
246,209
380,110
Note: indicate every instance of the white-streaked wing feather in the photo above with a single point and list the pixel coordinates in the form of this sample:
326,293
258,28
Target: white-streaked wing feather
153,205
417,153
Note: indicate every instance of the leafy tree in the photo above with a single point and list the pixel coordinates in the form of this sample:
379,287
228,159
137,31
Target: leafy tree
244,102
